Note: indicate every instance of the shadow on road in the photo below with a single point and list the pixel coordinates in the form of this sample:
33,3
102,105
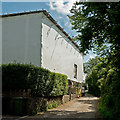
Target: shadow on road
68,114
84,108
59,115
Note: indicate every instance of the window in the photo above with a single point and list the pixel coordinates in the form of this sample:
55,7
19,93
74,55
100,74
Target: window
75,71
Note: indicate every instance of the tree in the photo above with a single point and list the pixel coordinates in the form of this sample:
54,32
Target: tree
96,75
90,64
98,25
103,80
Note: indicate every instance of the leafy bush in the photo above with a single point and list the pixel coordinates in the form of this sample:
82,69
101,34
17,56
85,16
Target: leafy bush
109,105
104,81
59,84
42,82
52,105
55,104
15,76
43,106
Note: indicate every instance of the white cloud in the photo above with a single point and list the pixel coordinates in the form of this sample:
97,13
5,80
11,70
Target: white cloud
60,17
66,23
62,6
92,56
70,25
51,6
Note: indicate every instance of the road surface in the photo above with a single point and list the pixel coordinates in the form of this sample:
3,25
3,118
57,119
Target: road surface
84,108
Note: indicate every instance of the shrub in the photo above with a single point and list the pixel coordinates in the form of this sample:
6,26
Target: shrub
43,106
52,105
104,80
96,78
92,79
59,84
109,105
42,82
15,76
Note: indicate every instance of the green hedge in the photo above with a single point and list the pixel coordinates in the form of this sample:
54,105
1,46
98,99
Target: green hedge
109,104
42,82
104,81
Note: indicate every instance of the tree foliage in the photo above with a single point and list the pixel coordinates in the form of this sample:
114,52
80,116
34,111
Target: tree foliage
103,80
90,64
109,105
96,77
98,25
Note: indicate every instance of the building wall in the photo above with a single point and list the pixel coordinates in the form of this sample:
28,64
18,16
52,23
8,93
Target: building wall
21,39
25,35
58,52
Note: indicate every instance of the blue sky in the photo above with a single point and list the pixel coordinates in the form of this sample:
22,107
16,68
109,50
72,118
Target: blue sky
61,18
58,10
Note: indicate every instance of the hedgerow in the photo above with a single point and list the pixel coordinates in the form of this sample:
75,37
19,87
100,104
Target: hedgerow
109,105
104,81
42,82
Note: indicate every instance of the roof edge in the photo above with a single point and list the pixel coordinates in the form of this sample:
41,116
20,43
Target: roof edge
48,16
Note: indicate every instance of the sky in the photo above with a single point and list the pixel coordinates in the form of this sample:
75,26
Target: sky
59,10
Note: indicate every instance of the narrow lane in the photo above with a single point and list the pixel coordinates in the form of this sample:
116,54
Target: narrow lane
84,108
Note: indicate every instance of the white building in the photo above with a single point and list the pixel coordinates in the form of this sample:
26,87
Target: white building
35,37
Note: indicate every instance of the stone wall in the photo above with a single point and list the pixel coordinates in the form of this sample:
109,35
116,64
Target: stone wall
17,93
65,98
21,101
35,105
58,99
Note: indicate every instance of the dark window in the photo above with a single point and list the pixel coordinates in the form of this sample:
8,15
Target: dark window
75,71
